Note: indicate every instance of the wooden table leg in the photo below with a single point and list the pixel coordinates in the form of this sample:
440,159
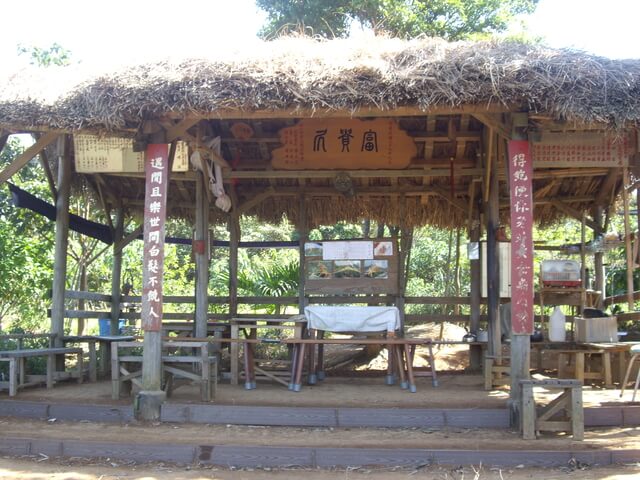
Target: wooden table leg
562,365
249,384
234,355
314,366
297,381
400,366
79,367
580,366
93,361
606,367
577,414
51,365
320,368
409,360
115,372
22,371
390,379
432,364
528,414
13,377
294,364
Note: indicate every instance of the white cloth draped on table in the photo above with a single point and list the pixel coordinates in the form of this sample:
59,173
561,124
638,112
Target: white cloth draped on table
353,319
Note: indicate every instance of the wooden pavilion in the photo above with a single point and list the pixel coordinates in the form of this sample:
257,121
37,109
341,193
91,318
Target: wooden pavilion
408,133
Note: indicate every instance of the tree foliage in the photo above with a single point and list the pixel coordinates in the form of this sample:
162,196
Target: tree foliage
450,19
55,54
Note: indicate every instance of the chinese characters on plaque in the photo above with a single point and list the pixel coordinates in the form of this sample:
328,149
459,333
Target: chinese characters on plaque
582,149
316,143
95,154
155,208
521,185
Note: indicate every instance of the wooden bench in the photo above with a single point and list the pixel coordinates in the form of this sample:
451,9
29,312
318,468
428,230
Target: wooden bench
126,369
534,420
18,377
581,368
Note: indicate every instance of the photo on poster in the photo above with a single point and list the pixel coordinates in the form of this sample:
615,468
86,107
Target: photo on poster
346,269
376,268
313,249
319,270
382,249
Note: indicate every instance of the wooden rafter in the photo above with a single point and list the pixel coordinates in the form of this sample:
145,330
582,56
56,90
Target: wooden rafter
256,200
572,212
24,158
126,240
604,194
405,111
456,202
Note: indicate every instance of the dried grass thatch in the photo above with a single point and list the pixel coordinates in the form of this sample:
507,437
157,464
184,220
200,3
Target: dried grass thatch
304,73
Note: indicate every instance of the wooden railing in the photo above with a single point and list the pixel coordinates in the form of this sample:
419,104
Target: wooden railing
410,318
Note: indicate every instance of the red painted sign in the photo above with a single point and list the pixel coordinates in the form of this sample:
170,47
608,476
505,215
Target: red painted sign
521,186
156,166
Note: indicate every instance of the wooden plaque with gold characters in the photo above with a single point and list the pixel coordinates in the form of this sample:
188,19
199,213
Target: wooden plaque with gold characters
349,144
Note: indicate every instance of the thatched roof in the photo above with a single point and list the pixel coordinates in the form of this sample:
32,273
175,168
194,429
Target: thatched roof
302,73
423,83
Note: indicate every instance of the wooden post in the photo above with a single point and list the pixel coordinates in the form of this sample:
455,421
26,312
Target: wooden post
116,272
201,251
475,351
520,174
627,239
493,266
151,397
303,234
61,240
598,261
234,240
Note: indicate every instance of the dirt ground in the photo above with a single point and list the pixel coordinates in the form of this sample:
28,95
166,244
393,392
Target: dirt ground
41,468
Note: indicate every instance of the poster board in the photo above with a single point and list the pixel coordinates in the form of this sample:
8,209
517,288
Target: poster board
368,266
94,154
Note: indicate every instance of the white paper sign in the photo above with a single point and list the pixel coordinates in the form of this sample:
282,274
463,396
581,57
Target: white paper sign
347,250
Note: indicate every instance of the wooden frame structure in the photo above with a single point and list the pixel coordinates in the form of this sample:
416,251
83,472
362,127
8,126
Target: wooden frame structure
458,175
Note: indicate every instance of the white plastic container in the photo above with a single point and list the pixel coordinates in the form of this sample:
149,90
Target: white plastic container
557,331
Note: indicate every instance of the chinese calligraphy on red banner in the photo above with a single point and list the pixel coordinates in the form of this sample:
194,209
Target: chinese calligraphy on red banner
520,184
155,208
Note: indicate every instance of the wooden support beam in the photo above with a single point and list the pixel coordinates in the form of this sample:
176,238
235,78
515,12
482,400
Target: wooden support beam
24,158
572,212
61,239
116,271
609,183
127,239
627,239
494,123
492,216
44,162
405,111
256,200
176,131
201,253
4,137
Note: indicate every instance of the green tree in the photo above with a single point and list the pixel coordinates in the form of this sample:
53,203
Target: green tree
450,19
26,239
56,54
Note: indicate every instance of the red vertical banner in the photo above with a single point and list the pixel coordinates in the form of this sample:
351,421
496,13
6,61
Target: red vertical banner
521,188
156,167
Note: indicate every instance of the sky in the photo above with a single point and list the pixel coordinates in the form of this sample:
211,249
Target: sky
115,31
